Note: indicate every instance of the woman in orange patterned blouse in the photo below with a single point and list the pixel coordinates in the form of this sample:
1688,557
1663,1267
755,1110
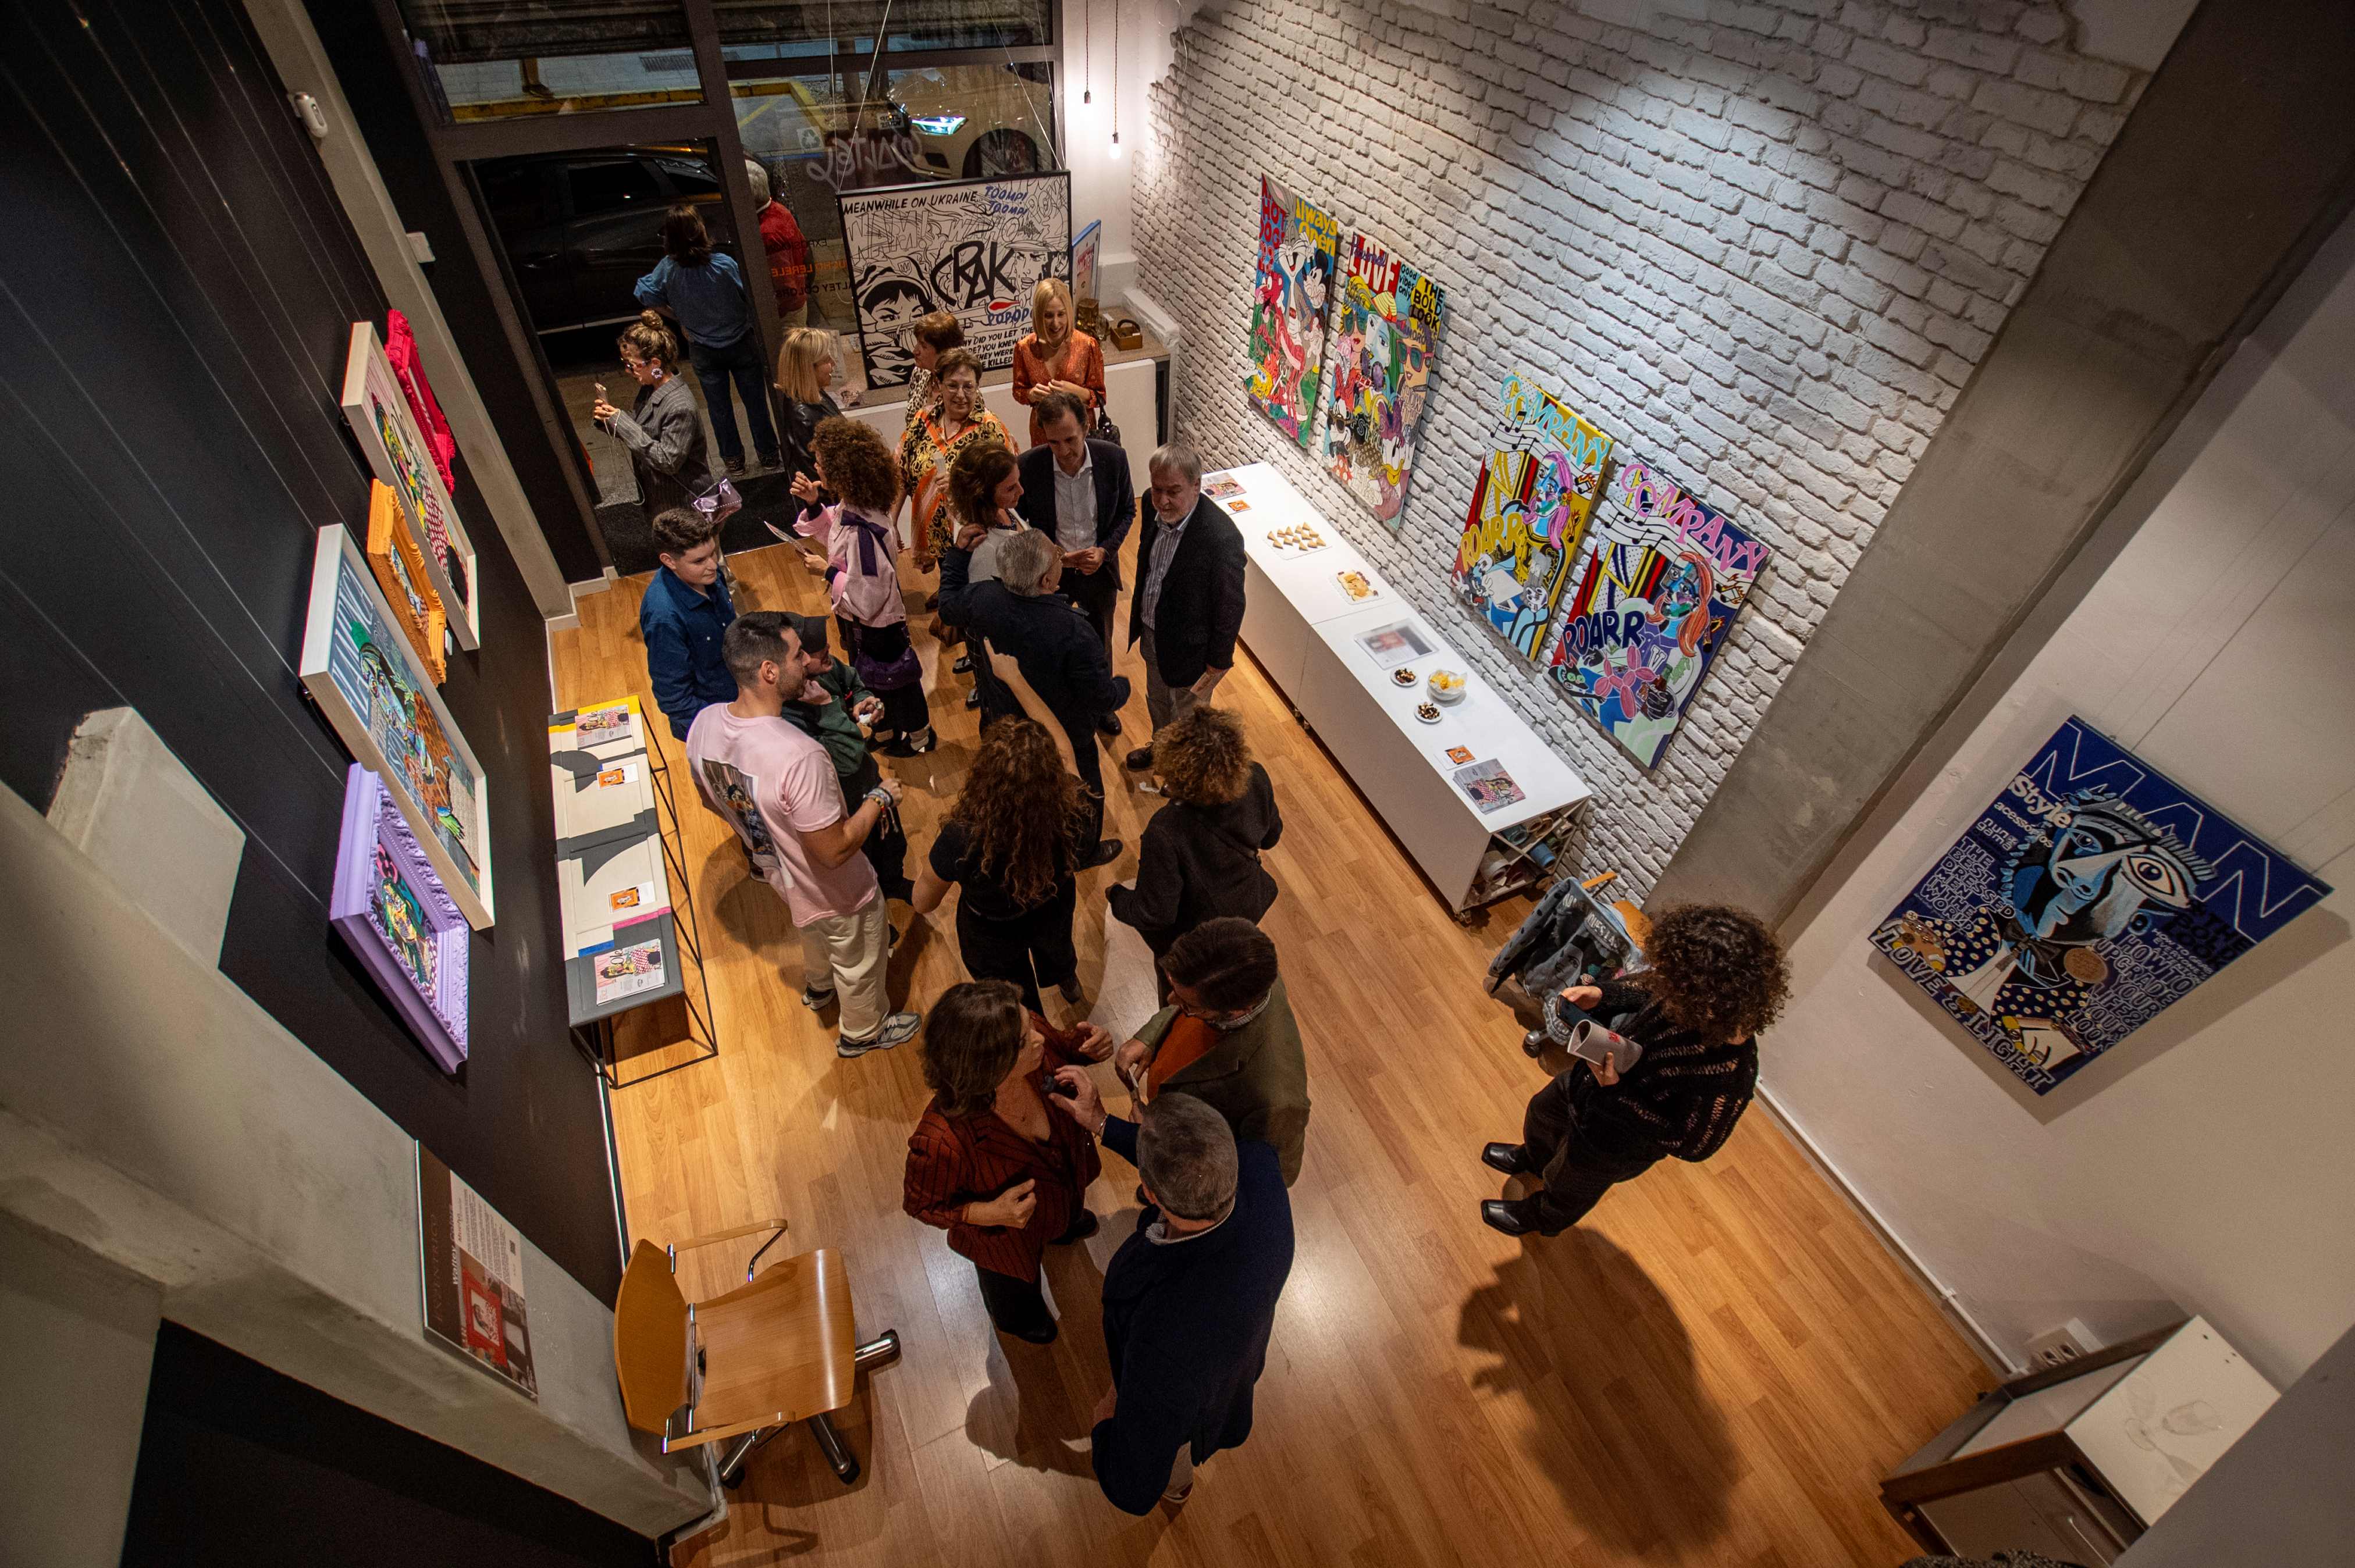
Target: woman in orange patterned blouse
1051,358
989,1163
957,421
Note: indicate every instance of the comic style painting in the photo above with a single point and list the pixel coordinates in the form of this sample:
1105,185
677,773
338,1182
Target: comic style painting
1662,585
376,411
1298,249
400,919
358,663
1529,509
2091,895
1377,358
973,248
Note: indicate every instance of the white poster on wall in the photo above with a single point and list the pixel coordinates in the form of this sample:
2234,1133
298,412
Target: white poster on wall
973,248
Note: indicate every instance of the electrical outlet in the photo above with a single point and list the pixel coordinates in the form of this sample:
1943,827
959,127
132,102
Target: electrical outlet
2059,1347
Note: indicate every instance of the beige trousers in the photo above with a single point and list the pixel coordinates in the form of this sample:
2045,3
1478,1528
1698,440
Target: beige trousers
851,953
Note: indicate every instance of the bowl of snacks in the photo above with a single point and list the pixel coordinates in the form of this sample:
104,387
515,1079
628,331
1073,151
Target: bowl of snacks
1447,686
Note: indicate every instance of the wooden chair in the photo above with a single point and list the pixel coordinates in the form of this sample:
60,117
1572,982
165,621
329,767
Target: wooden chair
776,1349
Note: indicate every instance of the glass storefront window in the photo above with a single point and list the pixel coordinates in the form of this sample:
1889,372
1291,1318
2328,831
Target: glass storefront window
851,25
491,59
934,122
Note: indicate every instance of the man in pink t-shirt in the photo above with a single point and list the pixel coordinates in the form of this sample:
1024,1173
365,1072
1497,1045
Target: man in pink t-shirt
778,788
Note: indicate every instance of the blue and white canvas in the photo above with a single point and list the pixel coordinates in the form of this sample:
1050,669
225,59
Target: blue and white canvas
2091,895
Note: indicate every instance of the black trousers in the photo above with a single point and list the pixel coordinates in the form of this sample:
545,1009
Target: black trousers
1575,1170
1032,951
885,847
1094,594
1015,1306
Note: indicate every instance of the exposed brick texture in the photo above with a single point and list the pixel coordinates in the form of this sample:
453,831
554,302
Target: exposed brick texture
1763,245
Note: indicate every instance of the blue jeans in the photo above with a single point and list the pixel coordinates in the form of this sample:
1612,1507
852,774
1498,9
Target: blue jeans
739,362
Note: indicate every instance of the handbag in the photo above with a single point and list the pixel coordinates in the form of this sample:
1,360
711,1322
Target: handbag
1104,429
882,675
721,502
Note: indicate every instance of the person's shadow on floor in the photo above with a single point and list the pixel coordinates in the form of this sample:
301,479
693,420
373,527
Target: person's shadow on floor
1616,1416
1041,1399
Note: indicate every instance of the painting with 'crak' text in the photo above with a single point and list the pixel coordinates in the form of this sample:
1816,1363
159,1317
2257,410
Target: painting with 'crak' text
1298,245
1378,359
1529,507
1660,593
2092,894
975,248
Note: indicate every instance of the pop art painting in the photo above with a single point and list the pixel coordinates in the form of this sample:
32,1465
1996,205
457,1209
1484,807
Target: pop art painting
1299,246
2091,895
975,248
1667,576
1379,358
1529,509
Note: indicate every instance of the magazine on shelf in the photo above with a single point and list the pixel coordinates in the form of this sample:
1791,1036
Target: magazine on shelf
1393,645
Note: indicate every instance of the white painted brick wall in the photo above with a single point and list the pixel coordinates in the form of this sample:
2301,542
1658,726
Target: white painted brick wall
1761,244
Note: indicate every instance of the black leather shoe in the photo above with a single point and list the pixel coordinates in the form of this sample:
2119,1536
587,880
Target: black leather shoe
1108,724
1503,1157
1041,1335
1498,1216
1105,854
1086,1226
1140,759
963,665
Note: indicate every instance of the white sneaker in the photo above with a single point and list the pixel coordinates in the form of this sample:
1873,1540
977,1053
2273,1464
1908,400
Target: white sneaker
898,1028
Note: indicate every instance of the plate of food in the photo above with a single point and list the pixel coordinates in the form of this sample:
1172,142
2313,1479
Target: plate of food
1401,677
1299,539
1428,711
1354,588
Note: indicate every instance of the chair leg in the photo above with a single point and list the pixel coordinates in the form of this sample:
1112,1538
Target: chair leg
837,1453
878,1352
732,1468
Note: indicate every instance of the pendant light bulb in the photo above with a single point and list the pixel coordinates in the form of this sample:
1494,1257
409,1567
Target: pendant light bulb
1116,144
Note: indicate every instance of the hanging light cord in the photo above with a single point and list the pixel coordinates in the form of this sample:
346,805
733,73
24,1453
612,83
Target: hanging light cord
1087,51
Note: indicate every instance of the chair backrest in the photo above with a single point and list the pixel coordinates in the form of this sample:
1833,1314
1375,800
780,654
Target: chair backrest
778,1349
650,1333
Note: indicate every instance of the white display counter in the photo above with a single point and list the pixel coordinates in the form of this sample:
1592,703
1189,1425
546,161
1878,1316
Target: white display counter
1306,629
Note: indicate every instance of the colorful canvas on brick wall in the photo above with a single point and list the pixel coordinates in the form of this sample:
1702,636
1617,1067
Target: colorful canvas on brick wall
2094,894
1298,248
1378,362
1529,509
1667,576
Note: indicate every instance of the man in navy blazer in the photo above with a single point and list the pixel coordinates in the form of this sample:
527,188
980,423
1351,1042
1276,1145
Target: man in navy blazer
1078,491
1189,1299
1023,618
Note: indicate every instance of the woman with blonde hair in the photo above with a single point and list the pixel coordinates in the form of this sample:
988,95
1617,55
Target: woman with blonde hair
1054,358
805,367
1200,859
662,430
862,572
932,443
1013,841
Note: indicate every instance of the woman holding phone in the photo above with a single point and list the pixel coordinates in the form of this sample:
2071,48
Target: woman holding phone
989,1163
1715,978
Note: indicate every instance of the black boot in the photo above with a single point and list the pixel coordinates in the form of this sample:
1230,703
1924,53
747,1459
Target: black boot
1509,1158
1499,1215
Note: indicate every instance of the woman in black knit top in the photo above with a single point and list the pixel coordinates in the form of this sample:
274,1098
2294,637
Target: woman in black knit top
1716,978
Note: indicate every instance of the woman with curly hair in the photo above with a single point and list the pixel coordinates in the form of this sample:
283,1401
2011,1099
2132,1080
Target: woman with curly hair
988,1163
954,422
1715,978
862,572
1013,841
1200,855
985,485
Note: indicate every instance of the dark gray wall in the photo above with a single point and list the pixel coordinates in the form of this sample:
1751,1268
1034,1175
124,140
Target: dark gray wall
2231,170
176,286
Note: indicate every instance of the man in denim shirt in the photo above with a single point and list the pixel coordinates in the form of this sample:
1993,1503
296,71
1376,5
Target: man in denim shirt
682,618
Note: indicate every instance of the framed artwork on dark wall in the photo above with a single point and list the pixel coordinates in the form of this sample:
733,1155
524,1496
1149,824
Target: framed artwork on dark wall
400,919
377,409
359,665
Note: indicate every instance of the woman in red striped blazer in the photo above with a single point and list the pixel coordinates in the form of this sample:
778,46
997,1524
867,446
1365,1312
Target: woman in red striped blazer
989,1163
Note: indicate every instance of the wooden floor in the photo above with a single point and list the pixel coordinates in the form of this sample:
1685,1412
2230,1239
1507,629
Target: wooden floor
1715,1369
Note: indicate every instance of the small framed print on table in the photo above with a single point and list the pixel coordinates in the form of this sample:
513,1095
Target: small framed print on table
394,911
359,667
378,411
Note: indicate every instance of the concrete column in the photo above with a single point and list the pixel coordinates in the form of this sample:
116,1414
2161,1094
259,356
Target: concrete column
2229,173
153,1115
